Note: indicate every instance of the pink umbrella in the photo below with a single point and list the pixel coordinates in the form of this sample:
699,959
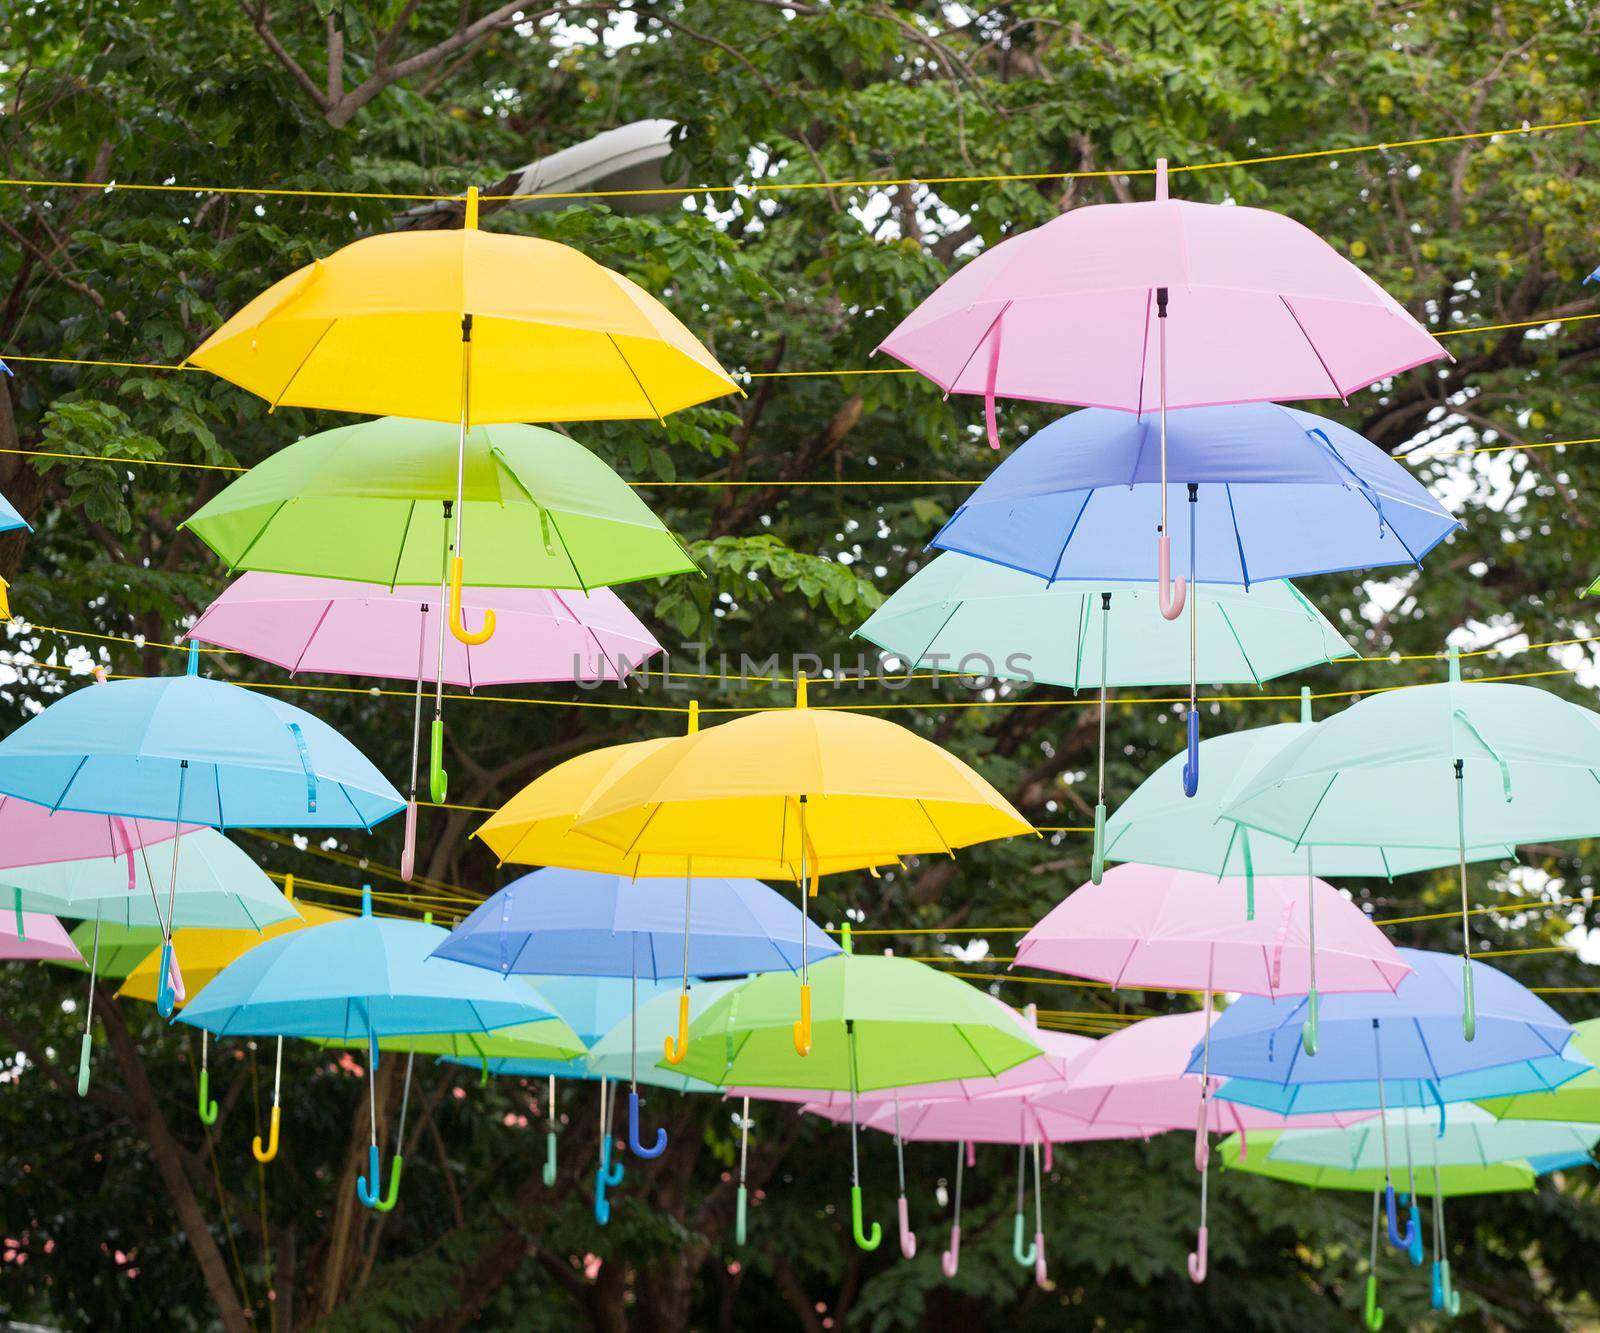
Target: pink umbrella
369,629
44,939
1077,311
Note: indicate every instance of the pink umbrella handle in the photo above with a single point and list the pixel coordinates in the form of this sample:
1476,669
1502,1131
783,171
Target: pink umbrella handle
408,853
950,1260
989,382
908,1237
972,1153
1041,1271
1173,592
177,978
1197,1260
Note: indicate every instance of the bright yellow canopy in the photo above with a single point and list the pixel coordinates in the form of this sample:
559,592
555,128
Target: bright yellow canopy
377,328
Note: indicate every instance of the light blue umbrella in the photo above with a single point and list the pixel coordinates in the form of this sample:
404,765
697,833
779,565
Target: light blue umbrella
364,978
9,518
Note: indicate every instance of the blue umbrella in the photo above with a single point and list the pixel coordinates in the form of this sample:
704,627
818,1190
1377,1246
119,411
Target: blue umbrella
9,518
1407,1046
578,922
1272,493
361,978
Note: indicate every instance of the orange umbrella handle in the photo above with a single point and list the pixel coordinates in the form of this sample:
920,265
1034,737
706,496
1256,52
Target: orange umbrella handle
802,1029
676,1053
458,626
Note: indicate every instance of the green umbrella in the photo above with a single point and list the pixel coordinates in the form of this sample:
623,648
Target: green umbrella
542,1039
1393,770
877,1022
374,502
979,618
1577,1100
122,948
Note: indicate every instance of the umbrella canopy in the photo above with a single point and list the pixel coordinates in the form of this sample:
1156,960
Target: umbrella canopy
369,629
1575,1100
1003,1118
378,327
572,921
1453,1181
9,518
593,1006
32,834
962,614
42,939
1471,1137
217,885
1150,927
122,948
374,502
1246,304
1269,492
548,1039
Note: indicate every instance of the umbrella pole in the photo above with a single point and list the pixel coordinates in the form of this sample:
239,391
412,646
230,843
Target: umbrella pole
387,1203
660,1145
88,1017
908,1238
169,984
458,624
550,1139
1202,1129
1415,1248
408,853
1395,1238
1308,1029
1373,1314
1098,864
1191,765
741,1213
1041,1274
864,1239
802,1029
1170,596
438,779
1469,1009
950,1260
1445,1296
369,1189
1023,1257
267,1153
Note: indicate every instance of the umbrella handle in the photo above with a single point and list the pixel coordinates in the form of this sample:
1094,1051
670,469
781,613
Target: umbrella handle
950,1260
1097,864
387,1203
83,1065
638,1149
802,1029
458,626
864,1240
1023,1257
676,1051
1452,1297
1469,1004
1400,1242
908,1237
612,1170
1373,1314
602,1205
166,995
483,1071
1436,1299
1414,1250
1191,765
739,1216
1197,1260
271,1150
1172,594
550,1159
1041,1270
408,853
207,1107
369,1188
438,779
1308,1029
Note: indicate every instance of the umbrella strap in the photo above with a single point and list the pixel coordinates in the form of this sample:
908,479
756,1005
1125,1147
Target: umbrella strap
960,1163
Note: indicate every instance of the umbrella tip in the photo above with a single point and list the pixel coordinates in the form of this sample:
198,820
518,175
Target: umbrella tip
845,942
800,691
194,657
1453,655
471,222
288,886
1305,703
694,716
1161,180
366,900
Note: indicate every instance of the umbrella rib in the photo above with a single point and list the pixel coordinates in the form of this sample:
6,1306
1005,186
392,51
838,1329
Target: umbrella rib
74,777
976,348
1144,348
327,609
400,548
1238,537
310,352
235,563
1243,651
1055,569
1339,393
1304,828
628,365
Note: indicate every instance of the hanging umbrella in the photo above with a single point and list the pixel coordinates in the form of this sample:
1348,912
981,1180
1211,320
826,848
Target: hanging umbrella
1576,1100
10,520
1470,1137
43,939
833,789
878,1022
575,921
1392,770
122,948
194,751
1272,493
361,978
976,617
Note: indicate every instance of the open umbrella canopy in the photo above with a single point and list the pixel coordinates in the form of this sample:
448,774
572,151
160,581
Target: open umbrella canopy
1576,1100
122,948
9,518
542,1039
377,327
902,1022
32,834
1276,493
573,921
960,614
369,629
1471,1137
1003,1118
1410,1041
1254,1154
194,751
373,502
217,885
1145,926
42,939
593,1006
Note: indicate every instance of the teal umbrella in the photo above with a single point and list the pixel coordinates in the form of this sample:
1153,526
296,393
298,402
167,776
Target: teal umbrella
961,614
1416,768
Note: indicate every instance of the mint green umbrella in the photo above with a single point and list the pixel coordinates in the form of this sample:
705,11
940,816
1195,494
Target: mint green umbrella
1577,1099
1417,767
960,614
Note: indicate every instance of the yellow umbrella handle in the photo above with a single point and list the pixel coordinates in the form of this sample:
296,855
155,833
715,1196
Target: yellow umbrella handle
676,1053
802,1029
458,626
271,1150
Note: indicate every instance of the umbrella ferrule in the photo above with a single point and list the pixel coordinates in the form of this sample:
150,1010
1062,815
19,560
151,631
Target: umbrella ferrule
466,328
1161,302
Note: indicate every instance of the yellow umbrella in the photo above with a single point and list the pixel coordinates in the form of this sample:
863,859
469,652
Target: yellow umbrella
464,326
831,789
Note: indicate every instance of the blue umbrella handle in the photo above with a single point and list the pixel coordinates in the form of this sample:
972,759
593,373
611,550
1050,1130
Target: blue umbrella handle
740,1216
1374,1313
550,1159
612,1171
602,1205
166,996
1414,1250
1399,1241
1437,1298
1308,1029
864,1239
638,1149
369,1188
1024,1257
1097,868
438,779
1191,765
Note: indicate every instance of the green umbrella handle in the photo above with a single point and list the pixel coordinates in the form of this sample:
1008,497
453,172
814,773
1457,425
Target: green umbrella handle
865,1241
1024,1257
438,779
1308,1029
22,927
83,1065
1098,865
1469,1004
550,1158
207,1107
1374,1314
740,1215
1452,1297
387,1203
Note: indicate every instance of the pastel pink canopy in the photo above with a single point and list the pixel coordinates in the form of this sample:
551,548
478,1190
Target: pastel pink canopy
33,835
1001,1117
44,939
1145,926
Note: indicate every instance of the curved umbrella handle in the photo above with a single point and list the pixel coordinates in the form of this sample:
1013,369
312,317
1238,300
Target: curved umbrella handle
1308,1029
1373,1315
1024,1258
438,779
1041,1270
1097,863
1469,1004
1191,765
802,1029
1452,1297
677,1050
1414,1250
369,1188
740,1215
208,1107
1399,1241
483,1070
1198,1259
611,1169
550,1159
387,1203
267,1153
602,1205
408,852
1172,592
950,1260
166,994
908,1237
458,626
638,1149
867,1241
83,1065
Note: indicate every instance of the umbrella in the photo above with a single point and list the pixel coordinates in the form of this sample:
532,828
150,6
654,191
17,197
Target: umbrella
359,502
1392,770
1273,492
958,611
10,520
122,948
358,978
44,939
575,921
878,1022
1575,1100
828,787
1470,1137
